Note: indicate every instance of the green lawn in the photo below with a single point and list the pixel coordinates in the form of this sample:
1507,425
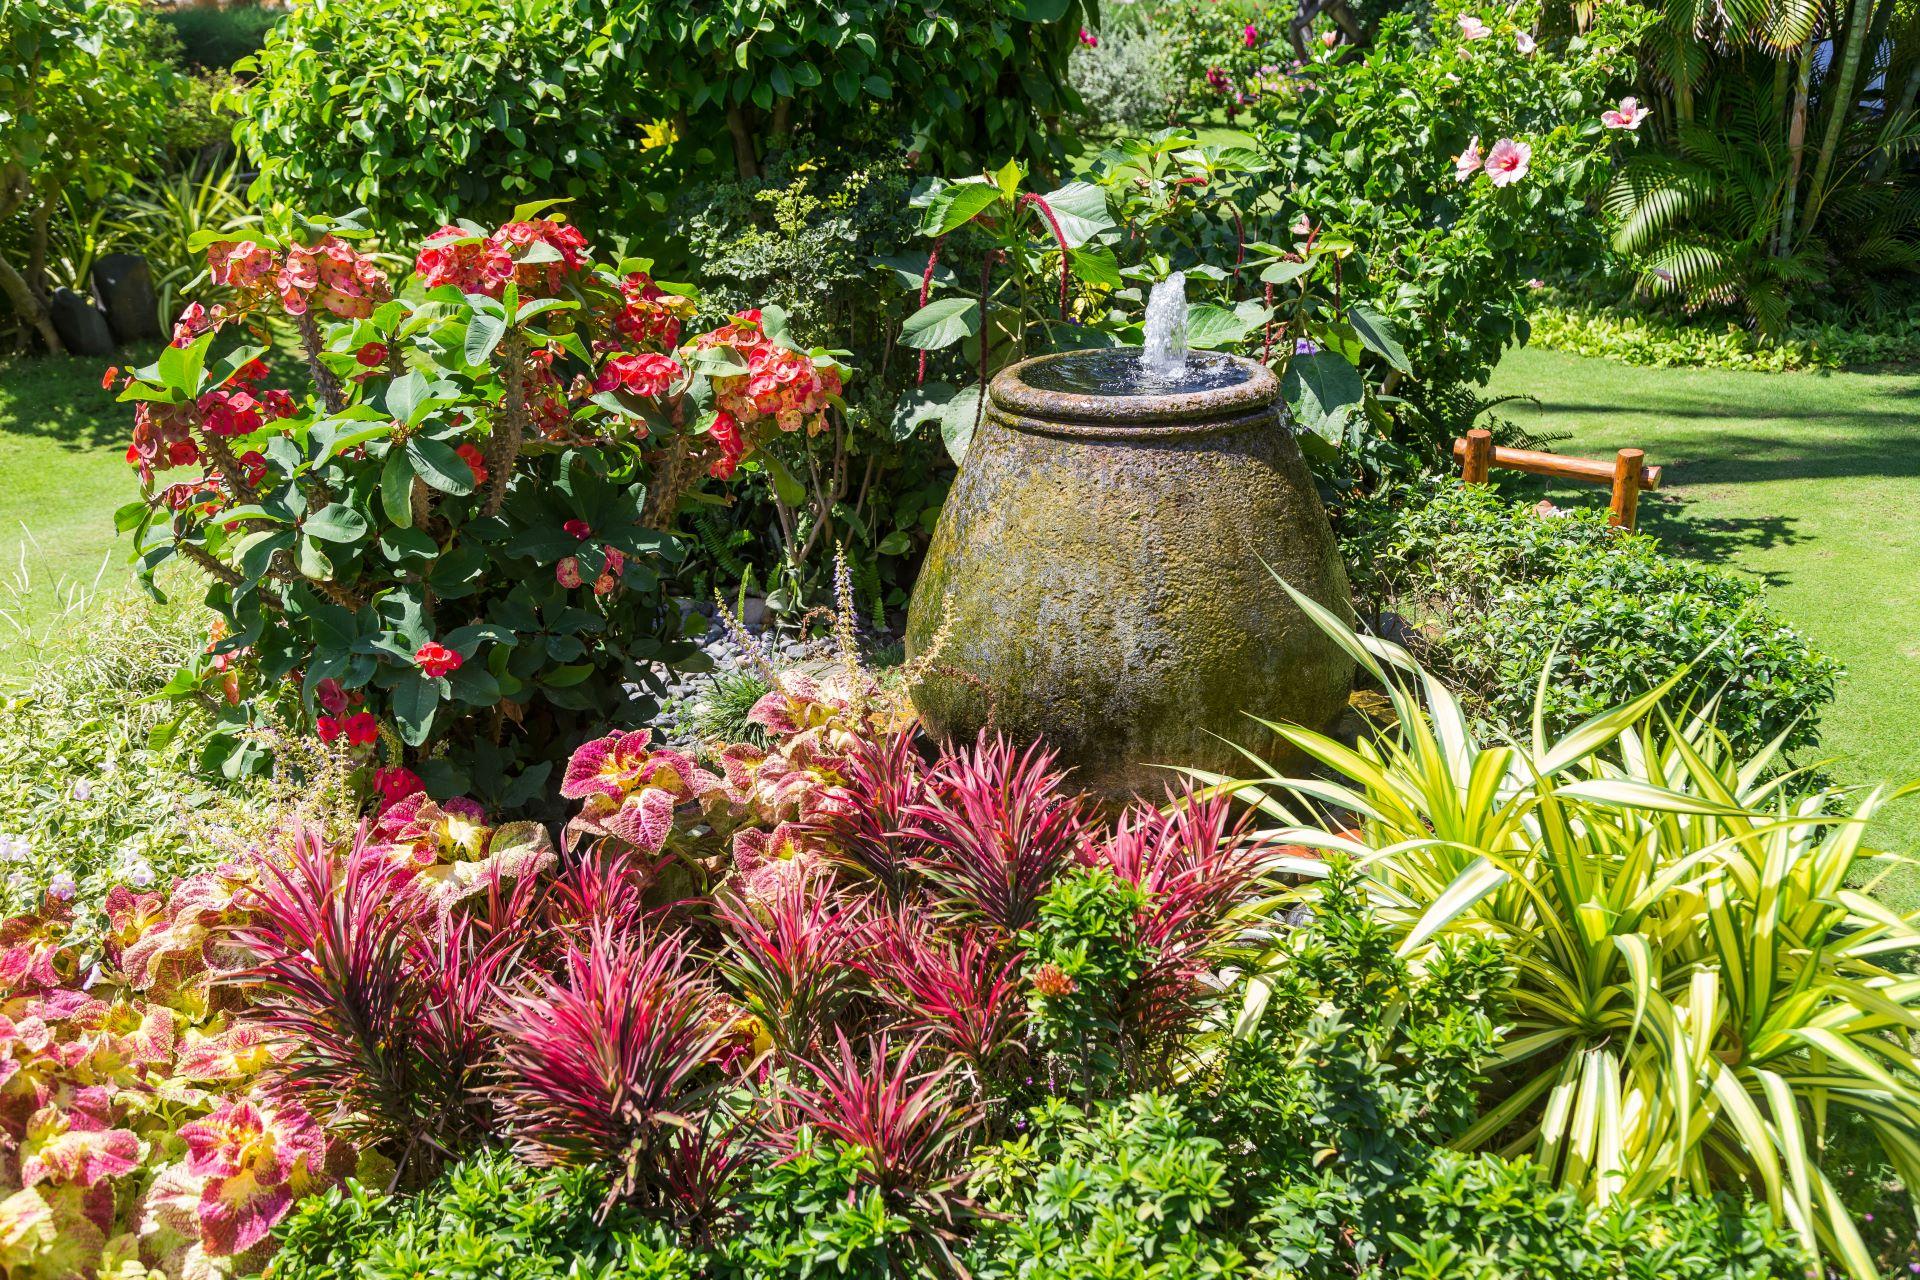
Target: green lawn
1810,482
63,443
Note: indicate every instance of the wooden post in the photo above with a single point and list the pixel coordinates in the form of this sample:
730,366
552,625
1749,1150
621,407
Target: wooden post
1626,488
1477,463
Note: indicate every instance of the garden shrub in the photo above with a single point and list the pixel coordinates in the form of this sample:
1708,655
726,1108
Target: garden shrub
213,39
813,234
426,112
1345,240
1492,588
1656,893
1635,337
1124,73
452,554
86,92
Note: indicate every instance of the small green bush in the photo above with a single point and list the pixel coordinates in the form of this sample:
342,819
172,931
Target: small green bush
1492,589
1636,337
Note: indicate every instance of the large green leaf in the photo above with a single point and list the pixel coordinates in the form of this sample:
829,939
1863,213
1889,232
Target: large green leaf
1322,389
438,464
955,205
941,323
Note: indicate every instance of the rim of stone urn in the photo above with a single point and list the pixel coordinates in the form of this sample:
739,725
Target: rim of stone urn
1246,404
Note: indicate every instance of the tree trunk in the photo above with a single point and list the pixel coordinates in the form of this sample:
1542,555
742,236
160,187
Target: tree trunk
1840,98
38,222
745,159
1796,147
28,307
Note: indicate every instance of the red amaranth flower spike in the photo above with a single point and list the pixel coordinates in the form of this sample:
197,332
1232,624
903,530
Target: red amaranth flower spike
926,286
1053,224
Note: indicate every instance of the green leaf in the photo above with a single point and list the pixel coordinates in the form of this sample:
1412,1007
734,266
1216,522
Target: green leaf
955,205
483,335
1081,210
790,490
1322,389
1379,335
1097,266
941,323
1285,272
957,421
335,522
1210,326
414,700
312,561
406,395
179,368
437,464
396,488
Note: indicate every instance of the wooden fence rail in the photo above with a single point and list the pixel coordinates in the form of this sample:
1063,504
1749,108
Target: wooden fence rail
1626,474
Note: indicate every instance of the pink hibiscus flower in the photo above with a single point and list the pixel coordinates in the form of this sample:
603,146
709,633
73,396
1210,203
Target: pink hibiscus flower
1524,42
1467,163
1629,115
1472,28
1507,162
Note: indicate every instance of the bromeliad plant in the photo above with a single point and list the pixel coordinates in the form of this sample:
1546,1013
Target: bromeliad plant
1697,988
454,547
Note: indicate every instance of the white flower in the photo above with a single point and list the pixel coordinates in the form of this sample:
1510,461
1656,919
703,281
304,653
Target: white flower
62,888
1523,41
140,876
83,790
1472,28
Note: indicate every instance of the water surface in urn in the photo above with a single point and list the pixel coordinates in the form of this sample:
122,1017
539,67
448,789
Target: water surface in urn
1121,372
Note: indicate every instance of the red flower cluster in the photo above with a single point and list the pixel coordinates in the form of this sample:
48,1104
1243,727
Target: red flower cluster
779,383
436,659
567,572
649,316
484,264
643,374
725,433
329,272
163,433
475,460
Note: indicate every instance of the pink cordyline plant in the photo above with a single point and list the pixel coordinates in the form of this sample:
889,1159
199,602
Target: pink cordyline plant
605,1064
791,956
382,997
904,1119
997,826
951,987
861,831
1197,865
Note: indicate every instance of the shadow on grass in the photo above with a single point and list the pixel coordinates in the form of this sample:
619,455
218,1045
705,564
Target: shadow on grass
59,398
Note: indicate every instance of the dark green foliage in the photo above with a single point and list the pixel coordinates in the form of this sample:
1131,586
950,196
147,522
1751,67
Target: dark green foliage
814,232
1132,1190
488,1216
1492,589
424,110
720,713
1087,943
215,39
813,1213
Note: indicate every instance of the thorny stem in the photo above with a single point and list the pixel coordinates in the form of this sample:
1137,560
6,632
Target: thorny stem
206,560
324,382
986,335
509,428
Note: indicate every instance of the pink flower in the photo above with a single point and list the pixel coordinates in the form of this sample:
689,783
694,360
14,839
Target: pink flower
645,374
1252,36
371,356
1089,39
1329,38
1472,28
1629,116
1536,283
436,659
1524,42
578,528
1467,163
567,572
1507,162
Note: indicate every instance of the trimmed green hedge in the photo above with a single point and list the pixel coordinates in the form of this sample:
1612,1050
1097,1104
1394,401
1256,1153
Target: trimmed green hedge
1490,588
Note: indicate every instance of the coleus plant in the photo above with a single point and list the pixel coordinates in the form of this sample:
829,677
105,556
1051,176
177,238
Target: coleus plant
1071,268
452,551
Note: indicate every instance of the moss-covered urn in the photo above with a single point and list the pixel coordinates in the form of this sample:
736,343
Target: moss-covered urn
1100,572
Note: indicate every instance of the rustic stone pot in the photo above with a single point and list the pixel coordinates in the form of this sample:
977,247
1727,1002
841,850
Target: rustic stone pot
1101,571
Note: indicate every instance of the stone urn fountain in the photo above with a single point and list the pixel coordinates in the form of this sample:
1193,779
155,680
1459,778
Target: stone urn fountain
1100,570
